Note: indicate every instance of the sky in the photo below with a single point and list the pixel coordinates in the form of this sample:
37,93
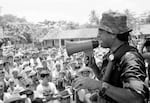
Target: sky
69,10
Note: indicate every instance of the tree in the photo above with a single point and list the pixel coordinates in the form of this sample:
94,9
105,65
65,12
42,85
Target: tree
28,37
72,25
48,23
147,20
8,18
94,19
132,21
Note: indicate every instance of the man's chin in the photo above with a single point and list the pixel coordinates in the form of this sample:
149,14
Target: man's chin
103,46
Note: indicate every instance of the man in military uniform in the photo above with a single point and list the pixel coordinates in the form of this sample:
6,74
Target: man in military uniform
122,75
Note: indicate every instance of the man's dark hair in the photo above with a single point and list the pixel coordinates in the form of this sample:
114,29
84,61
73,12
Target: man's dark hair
123,37
147,43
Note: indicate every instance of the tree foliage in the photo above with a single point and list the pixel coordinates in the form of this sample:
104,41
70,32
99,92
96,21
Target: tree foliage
8,18
147,19
132,21
62,24
93,18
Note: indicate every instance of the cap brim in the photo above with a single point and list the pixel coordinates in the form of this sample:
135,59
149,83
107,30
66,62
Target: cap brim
109,30
105,28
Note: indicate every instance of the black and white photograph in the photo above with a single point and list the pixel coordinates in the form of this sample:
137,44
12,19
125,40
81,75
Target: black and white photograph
74,51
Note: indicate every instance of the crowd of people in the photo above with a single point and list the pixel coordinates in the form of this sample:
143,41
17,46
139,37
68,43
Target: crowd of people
115,73
36,75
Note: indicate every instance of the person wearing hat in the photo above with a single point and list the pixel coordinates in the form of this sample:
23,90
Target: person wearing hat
27,70
11,86
122,74
85,94
10,58
17,62
33,77
14,75
79,62
55,71
35,61
85,72
61,81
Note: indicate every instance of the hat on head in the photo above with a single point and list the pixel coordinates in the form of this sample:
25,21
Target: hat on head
39,67
10,55
11,80
15,70
62,72
19,54
44,72
113,22
28,69
32,73
84,69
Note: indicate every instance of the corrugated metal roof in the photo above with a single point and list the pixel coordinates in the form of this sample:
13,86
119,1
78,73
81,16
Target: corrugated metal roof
69,34
145,29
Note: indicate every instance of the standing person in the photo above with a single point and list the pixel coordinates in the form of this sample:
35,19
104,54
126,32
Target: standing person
122,74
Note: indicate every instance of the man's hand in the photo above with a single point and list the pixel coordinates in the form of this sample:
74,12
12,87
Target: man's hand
142,45
87,83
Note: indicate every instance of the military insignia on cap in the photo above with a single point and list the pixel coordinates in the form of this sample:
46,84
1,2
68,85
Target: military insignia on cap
111,57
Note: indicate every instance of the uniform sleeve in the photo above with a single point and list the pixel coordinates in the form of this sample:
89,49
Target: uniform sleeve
134,73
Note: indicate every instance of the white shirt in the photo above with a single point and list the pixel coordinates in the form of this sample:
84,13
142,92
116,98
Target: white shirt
41,89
